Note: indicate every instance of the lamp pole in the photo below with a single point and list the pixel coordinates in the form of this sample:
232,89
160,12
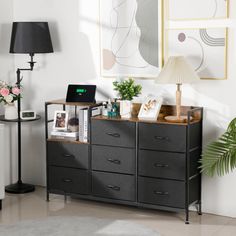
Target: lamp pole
20,187
178,102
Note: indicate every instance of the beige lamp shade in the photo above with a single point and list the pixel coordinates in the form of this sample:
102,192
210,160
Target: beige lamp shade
177,71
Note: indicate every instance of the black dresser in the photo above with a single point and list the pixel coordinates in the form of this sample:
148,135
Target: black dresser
139,163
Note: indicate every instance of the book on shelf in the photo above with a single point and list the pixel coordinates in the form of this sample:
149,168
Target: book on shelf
64,138
64,133
83,125
82,134
85,128
68,135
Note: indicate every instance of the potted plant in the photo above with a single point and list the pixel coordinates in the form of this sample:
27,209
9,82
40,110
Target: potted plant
127,90
219,157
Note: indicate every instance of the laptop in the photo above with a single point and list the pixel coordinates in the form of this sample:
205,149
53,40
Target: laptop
81,93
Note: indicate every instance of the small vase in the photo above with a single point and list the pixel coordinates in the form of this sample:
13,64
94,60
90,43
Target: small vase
125,108
10,111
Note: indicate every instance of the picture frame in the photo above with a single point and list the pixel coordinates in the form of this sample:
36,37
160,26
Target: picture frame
60,121
184,10
131,36
206,50
150,108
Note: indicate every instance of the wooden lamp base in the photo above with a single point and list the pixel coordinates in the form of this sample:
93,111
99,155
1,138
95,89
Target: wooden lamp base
178,118
175,119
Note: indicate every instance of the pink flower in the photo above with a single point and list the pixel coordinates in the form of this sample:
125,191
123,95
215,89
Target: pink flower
4,92
16,91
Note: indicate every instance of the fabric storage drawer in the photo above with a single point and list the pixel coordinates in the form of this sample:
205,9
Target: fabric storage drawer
68,154
69,180
162,137
162,164
115,186
161,192
113,133
113,159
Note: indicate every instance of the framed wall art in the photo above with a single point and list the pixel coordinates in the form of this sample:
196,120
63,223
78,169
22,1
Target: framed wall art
131,38
205,49
197,9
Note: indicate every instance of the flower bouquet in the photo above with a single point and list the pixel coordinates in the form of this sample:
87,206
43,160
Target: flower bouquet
9,93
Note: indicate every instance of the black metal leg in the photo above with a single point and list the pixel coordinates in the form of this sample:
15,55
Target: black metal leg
187,216
200,196
200,208
47,196
200,176
0,204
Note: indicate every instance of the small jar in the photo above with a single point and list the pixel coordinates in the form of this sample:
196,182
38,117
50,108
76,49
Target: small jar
104,109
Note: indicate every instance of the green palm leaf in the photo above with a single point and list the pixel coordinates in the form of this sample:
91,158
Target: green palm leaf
219,157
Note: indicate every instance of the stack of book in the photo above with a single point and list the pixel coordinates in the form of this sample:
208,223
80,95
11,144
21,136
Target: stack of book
82,134
83,121
66,135
83,125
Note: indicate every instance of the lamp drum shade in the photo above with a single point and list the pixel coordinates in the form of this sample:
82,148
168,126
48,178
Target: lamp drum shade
177,71
30,37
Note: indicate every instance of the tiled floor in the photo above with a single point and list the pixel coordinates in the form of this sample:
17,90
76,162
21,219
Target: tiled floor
33,206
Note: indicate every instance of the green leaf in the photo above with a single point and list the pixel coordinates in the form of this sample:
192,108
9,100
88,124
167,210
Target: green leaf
219,157
127,89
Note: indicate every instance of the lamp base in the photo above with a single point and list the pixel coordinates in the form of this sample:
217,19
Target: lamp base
19,188
175,119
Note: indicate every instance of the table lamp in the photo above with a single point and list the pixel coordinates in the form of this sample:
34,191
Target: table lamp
177,71
27,38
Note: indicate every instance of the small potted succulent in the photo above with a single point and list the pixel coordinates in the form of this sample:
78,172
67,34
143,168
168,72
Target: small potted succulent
127,90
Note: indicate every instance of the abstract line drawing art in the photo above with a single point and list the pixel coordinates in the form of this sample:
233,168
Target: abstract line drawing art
205,49
130,38
197,9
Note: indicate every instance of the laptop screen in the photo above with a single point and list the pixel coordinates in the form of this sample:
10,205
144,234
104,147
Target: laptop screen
80,93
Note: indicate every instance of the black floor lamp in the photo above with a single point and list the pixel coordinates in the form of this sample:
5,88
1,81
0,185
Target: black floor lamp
27,38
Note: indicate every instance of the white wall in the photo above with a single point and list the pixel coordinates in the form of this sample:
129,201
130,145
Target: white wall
7,74
75,35
6,60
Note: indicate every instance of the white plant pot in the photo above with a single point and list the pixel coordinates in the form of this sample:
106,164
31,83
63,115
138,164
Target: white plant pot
10,111
125,108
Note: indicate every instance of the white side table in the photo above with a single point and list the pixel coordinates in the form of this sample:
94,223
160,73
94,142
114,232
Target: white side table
2,191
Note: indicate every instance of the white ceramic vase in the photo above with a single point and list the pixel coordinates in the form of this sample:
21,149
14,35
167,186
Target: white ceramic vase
125,108
10,111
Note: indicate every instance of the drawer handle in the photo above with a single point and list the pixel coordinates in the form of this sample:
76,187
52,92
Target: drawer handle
118,162
161,138
161,193
67,180
114,135
68,155
116,188
161,165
